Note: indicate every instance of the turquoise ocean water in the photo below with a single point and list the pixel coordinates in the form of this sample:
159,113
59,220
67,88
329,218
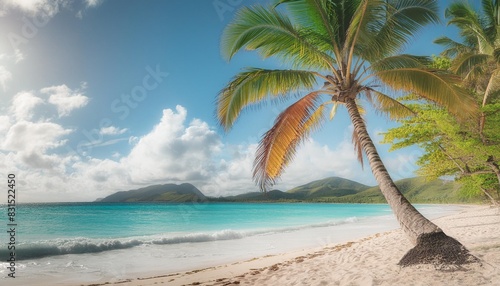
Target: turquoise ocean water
55,229
102,241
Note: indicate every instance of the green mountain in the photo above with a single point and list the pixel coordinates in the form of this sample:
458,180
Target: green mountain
329,190
421,190
329,187
271,196
416,190
339,190
159,193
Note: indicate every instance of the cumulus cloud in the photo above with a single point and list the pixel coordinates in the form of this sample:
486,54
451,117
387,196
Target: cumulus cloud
65,99
24,105
33,136
172,151
4,123
29,143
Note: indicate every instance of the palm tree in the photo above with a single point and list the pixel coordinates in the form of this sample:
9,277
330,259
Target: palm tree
351,46
477,58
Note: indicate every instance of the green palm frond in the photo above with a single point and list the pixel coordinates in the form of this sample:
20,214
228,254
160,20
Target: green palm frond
278,145
388,105
491,10
493,86
401,61
255,85
325,17
462,15
433,85
396,25
273,34
496,55
452,48
357,32
315,14
467,61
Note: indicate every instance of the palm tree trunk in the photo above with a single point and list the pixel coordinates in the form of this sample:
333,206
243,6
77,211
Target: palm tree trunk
412,222
432,245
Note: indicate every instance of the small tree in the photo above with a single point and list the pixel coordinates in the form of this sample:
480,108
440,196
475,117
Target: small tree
451,148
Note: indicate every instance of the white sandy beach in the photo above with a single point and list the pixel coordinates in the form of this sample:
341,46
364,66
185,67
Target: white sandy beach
368,261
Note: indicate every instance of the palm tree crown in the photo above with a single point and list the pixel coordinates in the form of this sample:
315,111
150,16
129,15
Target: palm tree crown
350,45
477,58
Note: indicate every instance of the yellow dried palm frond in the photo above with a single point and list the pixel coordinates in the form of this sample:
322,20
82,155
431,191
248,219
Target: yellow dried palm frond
278,145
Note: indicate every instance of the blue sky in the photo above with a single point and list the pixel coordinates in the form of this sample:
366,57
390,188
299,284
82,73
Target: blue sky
100,95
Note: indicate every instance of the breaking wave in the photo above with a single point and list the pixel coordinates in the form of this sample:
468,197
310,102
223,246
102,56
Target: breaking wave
45,248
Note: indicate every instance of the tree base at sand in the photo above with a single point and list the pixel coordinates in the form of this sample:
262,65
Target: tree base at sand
439,250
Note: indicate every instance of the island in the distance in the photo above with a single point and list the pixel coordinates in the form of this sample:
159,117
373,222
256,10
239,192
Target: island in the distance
329,190
159,193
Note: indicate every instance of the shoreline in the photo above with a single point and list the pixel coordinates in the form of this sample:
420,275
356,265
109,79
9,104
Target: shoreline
475,226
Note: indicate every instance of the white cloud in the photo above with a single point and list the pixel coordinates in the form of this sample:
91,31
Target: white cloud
5,76
24,105
39,160
45,8
112,130
172,151
88,4
18,56
65,99
233,175
4,124
25,136
93,3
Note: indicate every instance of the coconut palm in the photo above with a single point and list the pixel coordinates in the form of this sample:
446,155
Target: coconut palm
339,51
477,58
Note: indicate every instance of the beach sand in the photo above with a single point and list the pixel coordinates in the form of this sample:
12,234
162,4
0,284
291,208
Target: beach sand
369,261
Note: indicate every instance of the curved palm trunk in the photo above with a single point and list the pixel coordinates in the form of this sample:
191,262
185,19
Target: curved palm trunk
412,222
431,244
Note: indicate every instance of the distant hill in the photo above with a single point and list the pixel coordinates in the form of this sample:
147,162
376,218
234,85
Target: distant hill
274,195
421,190
329,187
329,190
416,190
159,193
339,190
